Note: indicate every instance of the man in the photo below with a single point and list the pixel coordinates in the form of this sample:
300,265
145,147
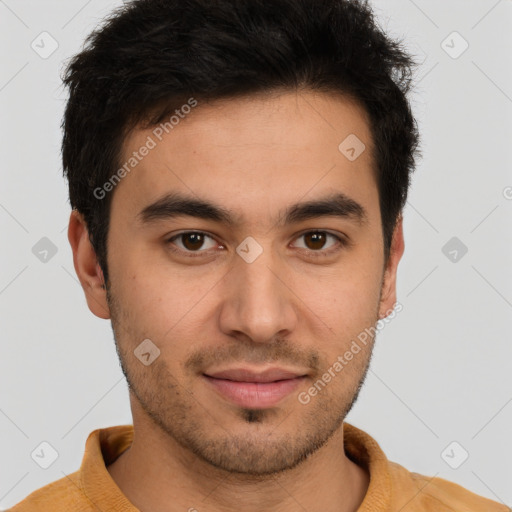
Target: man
237,172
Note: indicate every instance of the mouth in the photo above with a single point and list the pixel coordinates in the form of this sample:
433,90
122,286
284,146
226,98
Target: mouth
254,390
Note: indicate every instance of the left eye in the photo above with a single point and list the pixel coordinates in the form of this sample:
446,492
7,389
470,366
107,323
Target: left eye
317,240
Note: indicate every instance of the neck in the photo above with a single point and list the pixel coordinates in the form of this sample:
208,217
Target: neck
157,474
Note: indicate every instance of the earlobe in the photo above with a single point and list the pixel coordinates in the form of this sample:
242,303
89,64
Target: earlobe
87,267
388,296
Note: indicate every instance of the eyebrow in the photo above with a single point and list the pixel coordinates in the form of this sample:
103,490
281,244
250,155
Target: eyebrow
177,205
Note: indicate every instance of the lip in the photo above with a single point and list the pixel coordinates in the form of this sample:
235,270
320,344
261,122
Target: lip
249,389
246,375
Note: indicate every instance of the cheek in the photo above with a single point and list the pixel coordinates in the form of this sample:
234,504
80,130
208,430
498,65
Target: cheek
352,287
161,303
347,308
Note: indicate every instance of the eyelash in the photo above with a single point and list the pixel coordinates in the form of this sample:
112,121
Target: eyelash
342,243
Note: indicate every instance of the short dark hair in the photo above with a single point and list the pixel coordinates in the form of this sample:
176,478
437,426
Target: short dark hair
151,56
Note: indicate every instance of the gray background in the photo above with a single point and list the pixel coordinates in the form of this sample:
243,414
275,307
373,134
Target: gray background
441,368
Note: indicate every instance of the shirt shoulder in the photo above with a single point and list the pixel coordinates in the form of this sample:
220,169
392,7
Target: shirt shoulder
65,494
90,488
422,493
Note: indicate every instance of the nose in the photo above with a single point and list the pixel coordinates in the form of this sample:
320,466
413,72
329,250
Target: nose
259,303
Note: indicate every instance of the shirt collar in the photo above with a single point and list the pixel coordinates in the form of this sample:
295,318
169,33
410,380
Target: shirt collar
104,445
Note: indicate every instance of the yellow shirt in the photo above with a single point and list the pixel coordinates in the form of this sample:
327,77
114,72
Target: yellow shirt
392,488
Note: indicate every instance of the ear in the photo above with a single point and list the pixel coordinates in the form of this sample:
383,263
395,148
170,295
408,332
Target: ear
388,295
87,267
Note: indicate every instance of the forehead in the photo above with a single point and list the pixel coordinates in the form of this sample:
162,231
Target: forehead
254,153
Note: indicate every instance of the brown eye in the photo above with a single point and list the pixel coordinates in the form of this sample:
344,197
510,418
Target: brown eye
192,241
315,240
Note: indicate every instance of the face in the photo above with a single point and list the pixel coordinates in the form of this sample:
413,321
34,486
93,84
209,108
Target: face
253,281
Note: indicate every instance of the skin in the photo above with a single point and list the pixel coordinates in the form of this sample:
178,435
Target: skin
255,156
